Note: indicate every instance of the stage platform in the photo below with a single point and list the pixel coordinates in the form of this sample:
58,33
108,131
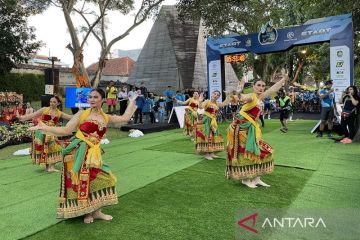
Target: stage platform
150,127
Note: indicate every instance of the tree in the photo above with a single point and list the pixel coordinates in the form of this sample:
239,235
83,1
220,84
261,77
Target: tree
17,40
94,12
146,10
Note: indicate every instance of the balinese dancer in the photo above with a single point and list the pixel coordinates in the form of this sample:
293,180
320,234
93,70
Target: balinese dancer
248,156
46,149
208,139
190,116
87,184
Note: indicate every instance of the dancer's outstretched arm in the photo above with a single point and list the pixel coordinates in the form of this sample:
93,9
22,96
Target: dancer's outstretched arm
201,97
245,98
203,104
226,101
276,87
130,110
66,116
183,103
59,131
240,86
31,115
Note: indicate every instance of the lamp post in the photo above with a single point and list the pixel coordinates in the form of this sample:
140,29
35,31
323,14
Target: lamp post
54,80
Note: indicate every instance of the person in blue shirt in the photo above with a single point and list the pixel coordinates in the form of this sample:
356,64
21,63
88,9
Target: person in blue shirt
160,106
327,97
179,97
307,100
148,108
140,101
169,94
316,101
267,107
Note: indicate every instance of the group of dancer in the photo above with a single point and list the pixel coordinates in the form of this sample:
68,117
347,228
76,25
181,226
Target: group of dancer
87,183
248,156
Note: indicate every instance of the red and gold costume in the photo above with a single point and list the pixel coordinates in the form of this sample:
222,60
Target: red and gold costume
190,117
248,156
46,149
87,183
208,139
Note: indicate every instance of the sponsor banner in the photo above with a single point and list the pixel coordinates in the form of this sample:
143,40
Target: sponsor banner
340,69
338,90
306,224
49,89
214,77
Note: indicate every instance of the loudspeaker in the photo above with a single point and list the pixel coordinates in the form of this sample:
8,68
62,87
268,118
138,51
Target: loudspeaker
45,100
49,78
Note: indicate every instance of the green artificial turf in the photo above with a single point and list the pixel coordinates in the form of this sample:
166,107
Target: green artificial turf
29,195
195,203
169,192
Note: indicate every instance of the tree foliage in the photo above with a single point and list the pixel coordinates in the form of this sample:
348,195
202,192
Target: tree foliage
17,40
246,16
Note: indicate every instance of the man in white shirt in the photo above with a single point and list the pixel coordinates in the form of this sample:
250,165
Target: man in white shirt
123,99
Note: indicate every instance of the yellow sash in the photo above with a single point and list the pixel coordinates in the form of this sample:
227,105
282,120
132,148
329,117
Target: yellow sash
243,113
191,108
213,122
93,157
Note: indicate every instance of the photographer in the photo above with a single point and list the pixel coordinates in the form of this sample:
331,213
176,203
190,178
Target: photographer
284,103
327,97
350,101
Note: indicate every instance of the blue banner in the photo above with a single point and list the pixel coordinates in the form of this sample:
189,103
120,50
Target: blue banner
335,29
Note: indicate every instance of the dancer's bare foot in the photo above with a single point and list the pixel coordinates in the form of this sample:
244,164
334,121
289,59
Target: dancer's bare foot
258,181
99,215
214,156
88,218
249,183
52,168
208,157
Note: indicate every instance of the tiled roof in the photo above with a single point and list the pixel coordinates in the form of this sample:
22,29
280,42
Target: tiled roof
34,67
41,57
115,67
